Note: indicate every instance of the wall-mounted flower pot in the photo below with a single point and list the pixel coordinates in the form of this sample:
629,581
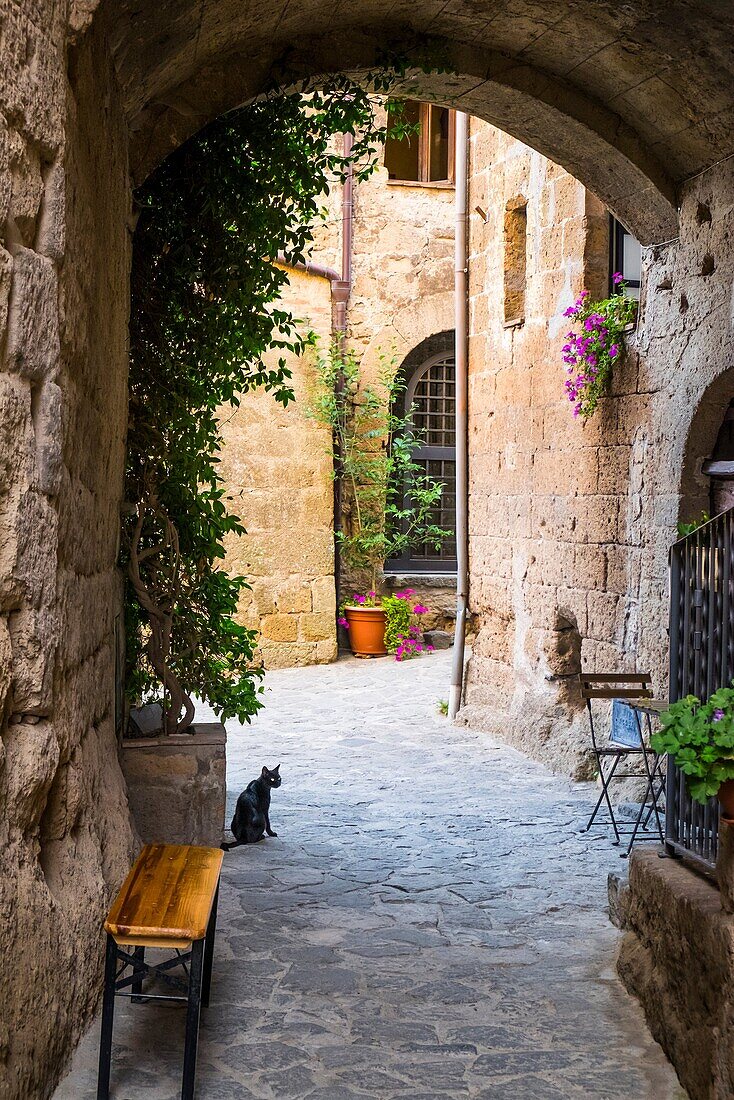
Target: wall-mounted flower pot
366,631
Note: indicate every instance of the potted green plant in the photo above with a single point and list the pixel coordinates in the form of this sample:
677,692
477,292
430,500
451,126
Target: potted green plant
700,738
388,624
365,619
388,501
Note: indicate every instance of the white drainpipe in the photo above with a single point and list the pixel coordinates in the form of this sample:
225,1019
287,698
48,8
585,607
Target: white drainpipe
461,286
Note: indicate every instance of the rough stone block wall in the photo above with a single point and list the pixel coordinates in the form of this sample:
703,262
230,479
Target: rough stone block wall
277,465
65,834
676,958
571,524
549,551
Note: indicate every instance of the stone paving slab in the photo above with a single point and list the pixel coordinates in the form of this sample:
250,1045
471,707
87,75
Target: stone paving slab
429,922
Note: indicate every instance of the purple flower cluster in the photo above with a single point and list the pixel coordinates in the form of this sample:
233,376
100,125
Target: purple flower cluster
342,621
588,354
718,715
370,600
409,645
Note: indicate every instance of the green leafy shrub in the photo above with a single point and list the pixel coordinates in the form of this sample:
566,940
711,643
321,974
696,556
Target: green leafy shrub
399,617
388,501
688,528
700,738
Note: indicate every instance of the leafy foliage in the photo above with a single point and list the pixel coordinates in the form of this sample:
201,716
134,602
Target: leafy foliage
205,309
399,617
685,529
700,738
590,354
390,502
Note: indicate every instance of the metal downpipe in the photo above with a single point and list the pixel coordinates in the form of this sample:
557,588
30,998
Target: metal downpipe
461,287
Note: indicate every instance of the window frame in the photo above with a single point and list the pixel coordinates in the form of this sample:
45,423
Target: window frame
406,563
424,149
617,233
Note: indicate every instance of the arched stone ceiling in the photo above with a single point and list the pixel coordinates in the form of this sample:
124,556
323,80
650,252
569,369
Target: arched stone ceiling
632,98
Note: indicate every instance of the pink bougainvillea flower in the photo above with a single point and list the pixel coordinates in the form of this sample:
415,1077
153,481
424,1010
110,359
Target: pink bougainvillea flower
358,598
372,595
420,609
614,351
343,622
617,278
430,649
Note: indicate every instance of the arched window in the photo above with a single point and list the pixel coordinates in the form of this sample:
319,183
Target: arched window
431,392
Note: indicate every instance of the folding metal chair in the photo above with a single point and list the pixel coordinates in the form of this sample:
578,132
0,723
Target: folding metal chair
633,689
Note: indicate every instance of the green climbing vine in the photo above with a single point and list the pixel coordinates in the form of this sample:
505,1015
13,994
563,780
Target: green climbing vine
205,309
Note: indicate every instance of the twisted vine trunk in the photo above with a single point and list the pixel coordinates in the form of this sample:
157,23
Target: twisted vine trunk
160,610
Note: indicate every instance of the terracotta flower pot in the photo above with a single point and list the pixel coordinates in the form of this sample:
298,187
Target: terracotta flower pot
366,631
725,795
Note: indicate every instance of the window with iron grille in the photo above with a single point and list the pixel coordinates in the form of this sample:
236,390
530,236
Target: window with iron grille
430,391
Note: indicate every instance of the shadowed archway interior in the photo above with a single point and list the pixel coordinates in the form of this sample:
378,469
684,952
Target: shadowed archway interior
632,100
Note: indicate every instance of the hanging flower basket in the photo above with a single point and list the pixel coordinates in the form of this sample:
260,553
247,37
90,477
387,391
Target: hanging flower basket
591,353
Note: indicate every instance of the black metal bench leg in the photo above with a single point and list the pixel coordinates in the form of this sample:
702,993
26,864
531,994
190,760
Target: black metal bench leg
192,1019
211,930
137,986
108,1012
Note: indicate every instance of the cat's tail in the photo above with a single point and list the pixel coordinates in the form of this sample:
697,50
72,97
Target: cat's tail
226,847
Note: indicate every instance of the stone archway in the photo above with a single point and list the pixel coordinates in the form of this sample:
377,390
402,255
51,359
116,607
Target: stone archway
176,78
636,103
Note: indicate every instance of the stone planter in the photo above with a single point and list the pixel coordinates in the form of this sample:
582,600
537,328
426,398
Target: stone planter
177,785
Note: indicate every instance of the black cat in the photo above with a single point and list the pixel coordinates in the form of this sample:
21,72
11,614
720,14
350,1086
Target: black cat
252,814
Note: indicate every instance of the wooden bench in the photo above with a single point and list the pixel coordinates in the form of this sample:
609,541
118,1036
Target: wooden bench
169,900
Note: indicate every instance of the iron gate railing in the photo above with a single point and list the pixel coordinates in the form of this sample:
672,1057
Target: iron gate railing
701,660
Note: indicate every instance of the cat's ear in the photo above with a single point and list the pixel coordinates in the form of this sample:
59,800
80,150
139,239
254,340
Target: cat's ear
276,771
264,771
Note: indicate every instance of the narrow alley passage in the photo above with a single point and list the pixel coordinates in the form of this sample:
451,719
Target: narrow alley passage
428,923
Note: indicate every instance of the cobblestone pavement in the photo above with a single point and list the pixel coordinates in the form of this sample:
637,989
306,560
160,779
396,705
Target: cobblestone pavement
428,923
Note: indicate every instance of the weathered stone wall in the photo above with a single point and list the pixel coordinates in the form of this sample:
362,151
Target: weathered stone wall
547,571
277,465
571,524
65,834
676,958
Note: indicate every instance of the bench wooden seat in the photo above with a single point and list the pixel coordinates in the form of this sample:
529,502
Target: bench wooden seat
168,900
